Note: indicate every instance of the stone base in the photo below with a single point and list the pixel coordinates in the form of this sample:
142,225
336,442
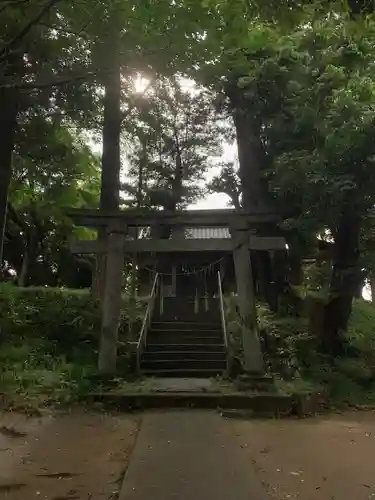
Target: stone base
261,404
255,382
307,405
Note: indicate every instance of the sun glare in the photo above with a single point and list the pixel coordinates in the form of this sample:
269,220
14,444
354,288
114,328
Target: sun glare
140,84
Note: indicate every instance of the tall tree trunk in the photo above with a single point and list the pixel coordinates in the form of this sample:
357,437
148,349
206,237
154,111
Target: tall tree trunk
250,152
9,106
177,231
178,176
134,271
9,101
250,157
296,269
279,278
295,260
30,255
141,168
111,164
235,199
251,160
24,272
344,281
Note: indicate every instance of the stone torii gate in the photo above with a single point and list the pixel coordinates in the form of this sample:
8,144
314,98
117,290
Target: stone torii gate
244,228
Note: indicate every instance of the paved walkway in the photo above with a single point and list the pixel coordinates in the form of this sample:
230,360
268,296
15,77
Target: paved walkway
190,455
183,385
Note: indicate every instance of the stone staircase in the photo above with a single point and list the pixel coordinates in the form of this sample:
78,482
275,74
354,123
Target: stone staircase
184,343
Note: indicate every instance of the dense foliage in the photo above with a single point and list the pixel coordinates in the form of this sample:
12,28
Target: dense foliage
49,342
293,357
292,82
173,138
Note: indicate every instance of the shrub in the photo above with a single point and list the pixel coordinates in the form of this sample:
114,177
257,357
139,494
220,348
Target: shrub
361,331
69,319
62,319
292,354
49,339
285,341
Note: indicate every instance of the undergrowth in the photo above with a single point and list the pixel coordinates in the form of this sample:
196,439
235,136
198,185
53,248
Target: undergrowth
49,344
49,348
293,357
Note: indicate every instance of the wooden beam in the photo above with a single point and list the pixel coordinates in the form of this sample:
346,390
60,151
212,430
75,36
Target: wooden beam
157,245
178,246
190,218
209,245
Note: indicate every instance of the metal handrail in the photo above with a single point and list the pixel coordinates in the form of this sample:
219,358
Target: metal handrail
147,321
222,310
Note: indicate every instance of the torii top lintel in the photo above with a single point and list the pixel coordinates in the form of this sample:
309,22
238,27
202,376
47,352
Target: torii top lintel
143,217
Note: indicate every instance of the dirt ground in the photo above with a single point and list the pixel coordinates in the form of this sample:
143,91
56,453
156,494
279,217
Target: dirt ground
330,458
64,457
84,456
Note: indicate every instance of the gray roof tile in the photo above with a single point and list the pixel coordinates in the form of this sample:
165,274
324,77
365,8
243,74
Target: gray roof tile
207,233
196,233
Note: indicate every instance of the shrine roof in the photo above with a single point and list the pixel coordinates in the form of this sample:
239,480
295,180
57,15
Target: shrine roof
206,233
197,233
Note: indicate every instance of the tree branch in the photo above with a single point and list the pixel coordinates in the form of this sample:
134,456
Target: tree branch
58,82
67,31
12,3
33,21
16,218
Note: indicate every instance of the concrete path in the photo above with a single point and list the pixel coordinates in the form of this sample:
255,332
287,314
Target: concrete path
183,385
190,455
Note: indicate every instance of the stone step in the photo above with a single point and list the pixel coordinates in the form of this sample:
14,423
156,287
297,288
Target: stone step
190,301
258,404
187,309
183,355
182,372
185,347
183,343
183,364
186,333
185,325
187,313
200,309
174,316
173,338
186,329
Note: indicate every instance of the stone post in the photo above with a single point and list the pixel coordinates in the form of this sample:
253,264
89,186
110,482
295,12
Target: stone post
111,308
246,301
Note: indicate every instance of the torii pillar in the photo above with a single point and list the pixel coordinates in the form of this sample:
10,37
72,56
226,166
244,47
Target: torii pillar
254,363
111,308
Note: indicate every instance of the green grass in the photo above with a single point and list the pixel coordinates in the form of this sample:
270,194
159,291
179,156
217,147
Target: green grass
32,376
296,386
